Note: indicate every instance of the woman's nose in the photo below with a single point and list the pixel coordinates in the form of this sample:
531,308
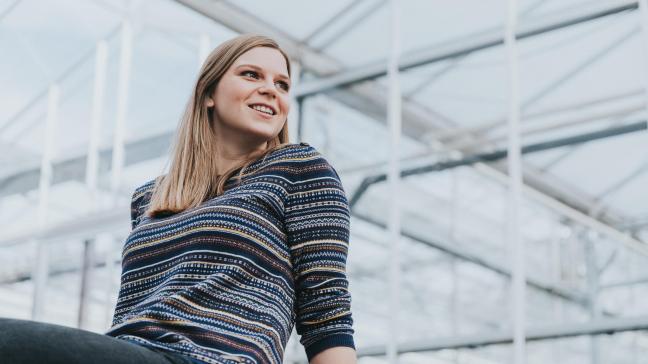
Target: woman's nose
268,88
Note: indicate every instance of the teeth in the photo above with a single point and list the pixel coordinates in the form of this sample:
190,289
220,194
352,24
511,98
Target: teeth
264,109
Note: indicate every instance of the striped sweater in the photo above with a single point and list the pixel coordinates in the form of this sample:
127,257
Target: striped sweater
226,281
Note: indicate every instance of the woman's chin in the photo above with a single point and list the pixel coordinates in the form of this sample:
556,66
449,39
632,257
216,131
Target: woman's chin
261,134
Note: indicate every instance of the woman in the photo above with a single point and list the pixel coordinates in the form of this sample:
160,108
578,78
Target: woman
243,238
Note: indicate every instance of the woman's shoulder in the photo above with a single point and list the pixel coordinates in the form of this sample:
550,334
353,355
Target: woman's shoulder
143,192
145,188
294,159
296,156
292,148
302,161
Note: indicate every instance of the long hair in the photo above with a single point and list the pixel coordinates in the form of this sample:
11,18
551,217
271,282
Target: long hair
192,177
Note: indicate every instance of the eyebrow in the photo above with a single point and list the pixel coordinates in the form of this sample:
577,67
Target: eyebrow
281,75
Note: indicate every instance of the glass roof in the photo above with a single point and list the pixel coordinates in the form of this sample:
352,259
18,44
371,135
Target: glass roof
586,75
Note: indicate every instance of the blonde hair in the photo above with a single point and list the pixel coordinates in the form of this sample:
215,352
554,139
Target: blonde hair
192,177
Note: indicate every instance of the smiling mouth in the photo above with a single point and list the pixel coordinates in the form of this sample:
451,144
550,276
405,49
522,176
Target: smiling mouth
264,109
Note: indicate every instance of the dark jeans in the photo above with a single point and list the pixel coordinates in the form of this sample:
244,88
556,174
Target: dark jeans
30,342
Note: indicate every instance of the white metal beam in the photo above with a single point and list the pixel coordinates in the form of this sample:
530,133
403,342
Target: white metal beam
516,244
394,118
370,98
115,221
455,48
8,9
549,332
41,267
415,118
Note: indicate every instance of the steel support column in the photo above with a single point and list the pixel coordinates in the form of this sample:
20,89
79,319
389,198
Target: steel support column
94,140
393,179
123,87
514,162
41,267
87,268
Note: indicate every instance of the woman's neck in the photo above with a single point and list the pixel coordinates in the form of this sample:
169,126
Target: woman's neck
230,154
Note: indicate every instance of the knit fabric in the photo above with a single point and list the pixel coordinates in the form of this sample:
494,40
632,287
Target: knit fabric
226,281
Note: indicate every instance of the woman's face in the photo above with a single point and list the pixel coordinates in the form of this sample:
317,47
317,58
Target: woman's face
251,101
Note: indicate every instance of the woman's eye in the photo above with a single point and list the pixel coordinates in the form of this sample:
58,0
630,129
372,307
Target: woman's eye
284,85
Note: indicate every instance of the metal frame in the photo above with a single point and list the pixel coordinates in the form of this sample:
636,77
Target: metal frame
113,221
592,329
500,154
456,49
416,120
351,24
75,66
539,95
552,332
516,245
8,9
331,20
617,186
394,116
74,168
229,16
157,146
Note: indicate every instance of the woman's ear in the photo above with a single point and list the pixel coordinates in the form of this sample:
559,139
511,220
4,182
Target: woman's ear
209,102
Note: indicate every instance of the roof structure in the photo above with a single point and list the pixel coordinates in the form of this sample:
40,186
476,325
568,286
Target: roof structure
92,92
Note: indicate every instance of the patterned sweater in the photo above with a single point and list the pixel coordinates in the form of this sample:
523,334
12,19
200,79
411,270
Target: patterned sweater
226,281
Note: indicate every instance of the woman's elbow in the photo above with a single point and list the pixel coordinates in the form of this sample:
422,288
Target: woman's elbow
335,355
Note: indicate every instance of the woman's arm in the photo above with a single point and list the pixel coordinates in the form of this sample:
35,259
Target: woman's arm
336,355
317,222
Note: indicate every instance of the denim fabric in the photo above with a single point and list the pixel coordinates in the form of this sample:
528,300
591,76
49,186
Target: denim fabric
30,342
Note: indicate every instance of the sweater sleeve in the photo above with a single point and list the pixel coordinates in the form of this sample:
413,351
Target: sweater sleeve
317,222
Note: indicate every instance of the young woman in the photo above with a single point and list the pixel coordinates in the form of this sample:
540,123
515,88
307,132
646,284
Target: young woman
243,238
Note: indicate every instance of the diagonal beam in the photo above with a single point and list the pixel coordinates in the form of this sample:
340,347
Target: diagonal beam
364,97
548,332
600,199
367,98
88,54
460,48
632,243
240,21
8,9
499,155
73,169
331,20
115,221
464,254
345,29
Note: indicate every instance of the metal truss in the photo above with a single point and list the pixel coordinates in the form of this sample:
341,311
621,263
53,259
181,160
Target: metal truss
553,332
369,99
630,242
455,49
363,97
115,221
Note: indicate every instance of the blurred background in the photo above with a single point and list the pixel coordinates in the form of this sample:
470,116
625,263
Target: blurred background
91,92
